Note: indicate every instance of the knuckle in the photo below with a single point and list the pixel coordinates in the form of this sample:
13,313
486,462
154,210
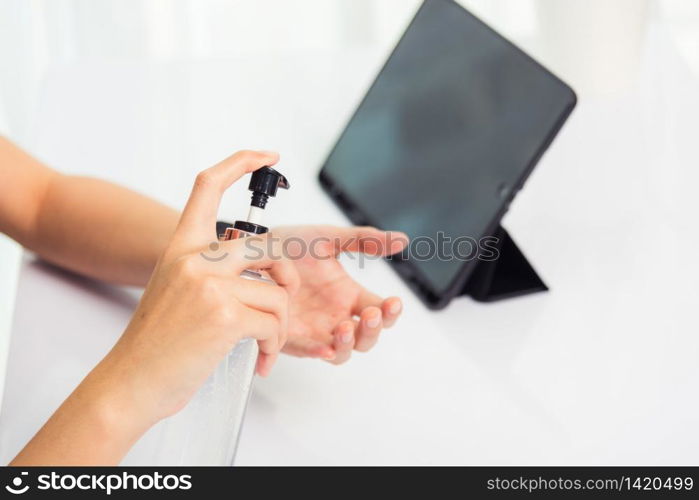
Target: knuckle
186,268
223,314
214,300
210,290
204,178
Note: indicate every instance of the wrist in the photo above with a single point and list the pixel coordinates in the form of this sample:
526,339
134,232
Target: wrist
114,401
96,425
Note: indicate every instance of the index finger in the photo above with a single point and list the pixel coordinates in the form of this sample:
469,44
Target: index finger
199,216
368,240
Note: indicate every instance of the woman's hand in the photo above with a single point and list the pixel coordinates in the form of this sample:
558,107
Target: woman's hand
193,312
195,309
332,314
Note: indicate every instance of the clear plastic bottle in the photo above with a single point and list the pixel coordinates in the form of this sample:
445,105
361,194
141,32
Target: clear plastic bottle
207,430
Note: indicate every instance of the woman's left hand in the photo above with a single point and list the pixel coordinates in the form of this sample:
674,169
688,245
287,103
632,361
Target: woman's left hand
331,314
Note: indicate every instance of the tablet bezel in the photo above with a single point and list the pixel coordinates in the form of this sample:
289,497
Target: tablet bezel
410,273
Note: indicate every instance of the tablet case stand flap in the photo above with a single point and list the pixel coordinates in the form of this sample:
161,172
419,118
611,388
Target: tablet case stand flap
510,275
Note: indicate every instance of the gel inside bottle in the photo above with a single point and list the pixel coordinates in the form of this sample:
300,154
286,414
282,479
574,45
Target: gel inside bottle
207,430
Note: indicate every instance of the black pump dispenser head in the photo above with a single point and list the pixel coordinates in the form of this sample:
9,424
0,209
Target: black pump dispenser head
263,184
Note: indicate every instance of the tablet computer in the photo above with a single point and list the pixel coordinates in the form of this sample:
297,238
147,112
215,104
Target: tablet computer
444,138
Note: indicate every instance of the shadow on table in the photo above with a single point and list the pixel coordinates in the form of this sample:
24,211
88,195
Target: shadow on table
121,296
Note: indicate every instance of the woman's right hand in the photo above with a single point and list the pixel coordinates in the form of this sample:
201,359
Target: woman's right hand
192,313
196,308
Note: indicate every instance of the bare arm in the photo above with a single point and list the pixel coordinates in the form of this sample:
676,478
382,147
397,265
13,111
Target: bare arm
191,315
83,224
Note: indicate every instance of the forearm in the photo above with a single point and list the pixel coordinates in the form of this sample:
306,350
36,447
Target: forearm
86,225
190,316
101,230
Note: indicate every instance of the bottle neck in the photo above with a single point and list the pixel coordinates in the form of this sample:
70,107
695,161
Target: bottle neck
241,229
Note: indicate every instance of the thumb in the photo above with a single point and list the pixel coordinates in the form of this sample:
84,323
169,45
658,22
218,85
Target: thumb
199,216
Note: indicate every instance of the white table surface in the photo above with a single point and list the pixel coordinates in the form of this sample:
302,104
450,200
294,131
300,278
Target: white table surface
602,370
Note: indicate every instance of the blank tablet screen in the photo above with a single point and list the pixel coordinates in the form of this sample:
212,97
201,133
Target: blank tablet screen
448,129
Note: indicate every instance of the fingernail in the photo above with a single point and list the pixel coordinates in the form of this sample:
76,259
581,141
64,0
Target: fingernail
396,307
329,357
346,337
373,322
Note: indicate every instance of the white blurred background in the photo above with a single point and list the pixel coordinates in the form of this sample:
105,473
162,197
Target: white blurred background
571,36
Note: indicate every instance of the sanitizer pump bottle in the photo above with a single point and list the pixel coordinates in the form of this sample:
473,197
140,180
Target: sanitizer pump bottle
206,431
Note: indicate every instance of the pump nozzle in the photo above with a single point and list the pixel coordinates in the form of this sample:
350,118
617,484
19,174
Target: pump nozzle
264,183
